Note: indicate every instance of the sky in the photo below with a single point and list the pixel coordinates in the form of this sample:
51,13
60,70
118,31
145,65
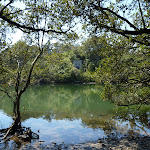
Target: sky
17,36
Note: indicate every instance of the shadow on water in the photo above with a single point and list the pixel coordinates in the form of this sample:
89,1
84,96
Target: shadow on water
74,114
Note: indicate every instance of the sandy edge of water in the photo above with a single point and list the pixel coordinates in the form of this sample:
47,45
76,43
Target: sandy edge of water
132,143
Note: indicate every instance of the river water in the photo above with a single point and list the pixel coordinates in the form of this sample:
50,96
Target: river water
74,113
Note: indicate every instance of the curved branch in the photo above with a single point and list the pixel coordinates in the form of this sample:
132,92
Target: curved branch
139,32
30,73
6,93
120,17
11,1
29,27
124,33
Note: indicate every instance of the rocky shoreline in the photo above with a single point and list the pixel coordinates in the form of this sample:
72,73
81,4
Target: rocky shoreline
125,143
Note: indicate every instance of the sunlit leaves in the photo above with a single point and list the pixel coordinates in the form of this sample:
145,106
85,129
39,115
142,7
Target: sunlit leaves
125,72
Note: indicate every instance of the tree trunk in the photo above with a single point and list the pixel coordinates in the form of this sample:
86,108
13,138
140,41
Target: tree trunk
16,114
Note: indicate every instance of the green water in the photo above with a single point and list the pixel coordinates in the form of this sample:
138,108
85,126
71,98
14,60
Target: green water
74,113
63,101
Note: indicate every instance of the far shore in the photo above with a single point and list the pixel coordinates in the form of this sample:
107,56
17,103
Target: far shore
74,82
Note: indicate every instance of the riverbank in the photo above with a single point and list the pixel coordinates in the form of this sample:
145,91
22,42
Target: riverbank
125,143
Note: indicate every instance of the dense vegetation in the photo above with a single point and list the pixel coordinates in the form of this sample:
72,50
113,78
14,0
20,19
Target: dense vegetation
110,60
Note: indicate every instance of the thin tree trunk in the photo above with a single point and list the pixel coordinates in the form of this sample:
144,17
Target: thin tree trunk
16,111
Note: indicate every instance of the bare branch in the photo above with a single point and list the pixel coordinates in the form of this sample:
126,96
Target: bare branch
141,15
124,33
6,93
18,78
11,1
130,34
22,27
30,72
120,17
34,61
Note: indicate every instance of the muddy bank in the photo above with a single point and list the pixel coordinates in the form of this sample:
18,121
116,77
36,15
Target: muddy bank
138,143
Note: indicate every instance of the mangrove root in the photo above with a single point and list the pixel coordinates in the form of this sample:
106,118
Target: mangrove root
21,133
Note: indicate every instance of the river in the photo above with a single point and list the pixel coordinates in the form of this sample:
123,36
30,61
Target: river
74,113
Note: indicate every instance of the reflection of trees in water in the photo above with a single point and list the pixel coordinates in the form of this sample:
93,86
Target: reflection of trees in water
139,118
129,122
55,99
75,100
66,102
82,101
141,115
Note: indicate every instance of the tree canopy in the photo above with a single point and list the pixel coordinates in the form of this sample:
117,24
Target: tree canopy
127,18
31,16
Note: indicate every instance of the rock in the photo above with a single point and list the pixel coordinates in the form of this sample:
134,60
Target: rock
24,137
100,141
103,145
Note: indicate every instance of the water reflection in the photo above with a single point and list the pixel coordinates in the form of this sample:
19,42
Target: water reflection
63,130
64,101
74,113
5,120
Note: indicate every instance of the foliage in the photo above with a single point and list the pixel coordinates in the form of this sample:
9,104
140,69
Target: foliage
17,58
36,18
29,16
127,18
125,73
56,64
57,67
